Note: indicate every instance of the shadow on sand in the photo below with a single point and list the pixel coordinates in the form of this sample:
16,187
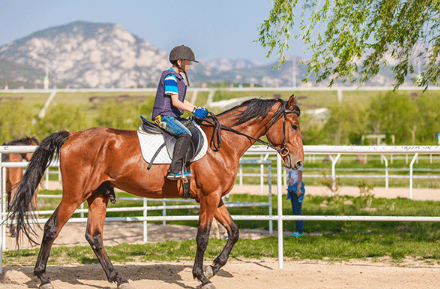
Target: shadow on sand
80,274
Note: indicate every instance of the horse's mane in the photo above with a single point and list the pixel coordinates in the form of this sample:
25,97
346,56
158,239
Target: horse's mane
258,108
22,141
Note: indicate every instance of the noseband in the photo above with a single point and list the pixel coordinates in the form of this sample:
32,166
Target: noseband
216,136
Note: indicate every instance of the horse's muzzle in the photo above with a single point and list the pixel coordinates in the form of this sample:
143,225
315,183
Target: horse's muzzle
287,162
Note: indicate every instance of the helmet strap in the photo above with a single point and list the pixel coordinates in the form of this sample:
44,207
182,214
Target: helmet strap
186,76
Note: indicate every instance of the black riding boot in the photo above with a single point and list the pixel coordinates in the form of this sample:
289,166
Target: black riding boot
180,149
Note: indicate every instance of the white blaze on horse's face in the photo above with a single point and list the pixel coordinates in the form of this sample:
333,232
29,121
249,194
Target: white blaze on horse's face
295,157
286,136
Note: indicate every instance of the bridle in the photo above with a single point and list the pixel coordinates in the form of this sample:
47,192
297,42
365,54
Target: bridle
215,143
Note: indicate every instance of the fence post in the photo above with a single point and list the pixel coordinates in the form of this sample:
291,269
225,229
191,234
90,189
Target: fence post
82,207
47,178
1,215
411,175
386,170
280,213
261,176
270,197
145,222
3,209
164,213
334,171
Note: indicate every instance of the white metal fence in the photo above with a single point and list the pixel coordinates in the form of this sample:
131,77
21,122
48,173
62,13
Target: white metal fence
334,151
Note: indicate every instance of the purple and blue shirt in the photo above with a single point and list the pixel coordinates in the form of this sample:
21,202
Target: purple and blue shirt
170,82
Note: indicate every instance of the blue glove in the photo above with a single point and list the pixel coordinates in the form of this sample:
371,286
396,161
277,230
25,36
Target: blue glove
201,112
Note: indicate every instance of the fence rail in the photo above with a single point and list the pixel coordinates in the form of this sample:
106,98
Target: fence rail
334,151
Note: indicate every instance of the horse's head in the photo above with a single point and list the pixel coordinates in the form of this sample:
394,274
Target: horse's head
32,141
285,134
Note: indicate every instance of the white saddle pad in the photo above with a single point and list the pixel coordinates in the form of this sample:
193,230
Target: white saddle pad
150,143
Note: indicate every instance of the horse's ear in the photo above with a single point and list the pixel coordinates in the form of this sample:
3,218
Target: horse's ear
291,102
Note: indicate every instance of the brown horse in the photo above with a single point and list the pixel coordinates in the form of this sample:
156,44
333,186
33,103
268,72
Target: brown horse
14,175
96,160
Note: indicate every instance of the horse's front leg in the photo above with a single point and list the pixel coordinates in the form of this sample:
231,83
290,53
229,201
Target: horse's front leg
208,206
223,217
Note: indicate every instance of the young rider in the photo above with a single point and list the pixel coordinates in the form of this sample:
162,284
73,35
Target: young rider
170,104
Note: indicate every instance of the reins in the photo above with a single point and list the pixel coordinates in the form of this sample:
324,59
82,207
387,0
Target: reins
215,142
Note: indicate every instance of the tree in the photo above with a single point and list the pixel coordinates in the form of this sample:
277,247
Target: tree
395,113
62,116
15,120
112,114
354,39
311,130
428,119
345,120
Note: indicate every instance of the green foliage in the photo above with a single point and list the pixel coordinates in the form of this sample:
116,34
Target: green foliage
365,190
354,40
61,116
112,114
15,120
333,185
346,119
312,131
411,121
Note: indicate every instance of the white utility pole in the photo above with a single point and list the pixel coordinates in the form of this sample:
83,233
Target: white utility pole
293,72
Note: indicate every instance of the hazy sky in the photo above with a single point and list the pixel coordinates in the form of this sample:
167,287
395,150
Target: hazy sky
213,29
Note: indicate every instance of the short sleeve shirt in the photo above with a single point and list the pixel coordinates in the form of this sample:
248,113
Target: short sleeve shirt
170,82
293,175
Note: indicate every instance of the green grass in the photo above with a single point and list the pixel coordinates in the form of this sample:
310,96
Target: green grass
324,240
329,246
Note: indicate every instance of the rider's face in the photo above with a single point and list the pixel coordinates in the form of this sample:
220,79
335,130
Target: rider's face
185,64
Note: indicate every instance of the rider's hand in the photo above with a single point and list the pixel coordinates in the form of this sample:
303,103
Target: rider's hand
201,112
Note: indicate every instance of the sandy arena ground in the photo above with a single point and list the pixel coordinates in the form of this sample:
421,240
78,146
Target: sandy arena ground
238,273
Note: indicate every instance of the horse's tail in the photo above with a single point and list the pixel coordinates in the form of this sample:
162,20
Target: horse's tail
22,202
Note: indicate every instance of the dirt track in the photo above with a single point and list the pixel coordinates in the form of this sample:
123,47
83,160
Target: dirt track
236,274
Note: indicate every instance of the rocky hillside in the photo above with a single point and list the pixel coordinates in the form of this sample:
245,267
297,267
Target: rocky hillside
84,54
92,54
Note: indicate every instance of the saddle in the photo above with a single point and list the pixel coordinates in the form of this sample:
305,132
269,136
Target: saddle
197,139
151,135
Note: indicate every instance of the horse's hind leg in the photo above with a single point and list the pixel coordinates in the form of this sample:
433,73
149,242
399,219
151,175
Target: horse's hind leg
223,217
94,235
52,228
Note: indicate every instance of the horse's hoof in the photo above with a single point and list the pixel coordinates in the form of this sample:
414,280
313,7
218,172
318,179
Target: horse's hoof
208,286
46,286
209,273
125,286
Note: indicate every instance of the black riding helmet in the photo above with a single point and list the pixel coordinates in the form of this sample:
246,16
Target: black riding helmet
182,52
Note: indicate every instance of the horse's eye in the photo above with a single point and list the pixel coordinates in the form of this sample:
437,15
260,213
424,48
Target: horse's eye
295,127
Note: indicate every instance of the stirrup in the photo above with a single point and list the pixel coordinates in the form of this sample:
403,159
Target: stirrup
180,176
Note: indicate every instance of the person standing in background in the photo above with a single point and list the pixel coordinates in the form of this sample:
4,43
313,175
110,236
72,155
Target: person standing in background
295,193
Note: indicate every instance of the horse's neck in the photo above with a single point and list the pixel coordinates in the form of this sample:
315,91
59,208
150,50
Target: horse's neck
240,143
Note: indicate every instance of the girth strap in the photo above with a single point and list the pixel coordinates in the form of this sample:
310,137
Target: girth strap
155,155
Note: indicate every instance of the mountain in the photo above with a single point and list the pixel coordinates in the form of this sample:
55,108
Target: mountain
224,64
93,54
85,54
